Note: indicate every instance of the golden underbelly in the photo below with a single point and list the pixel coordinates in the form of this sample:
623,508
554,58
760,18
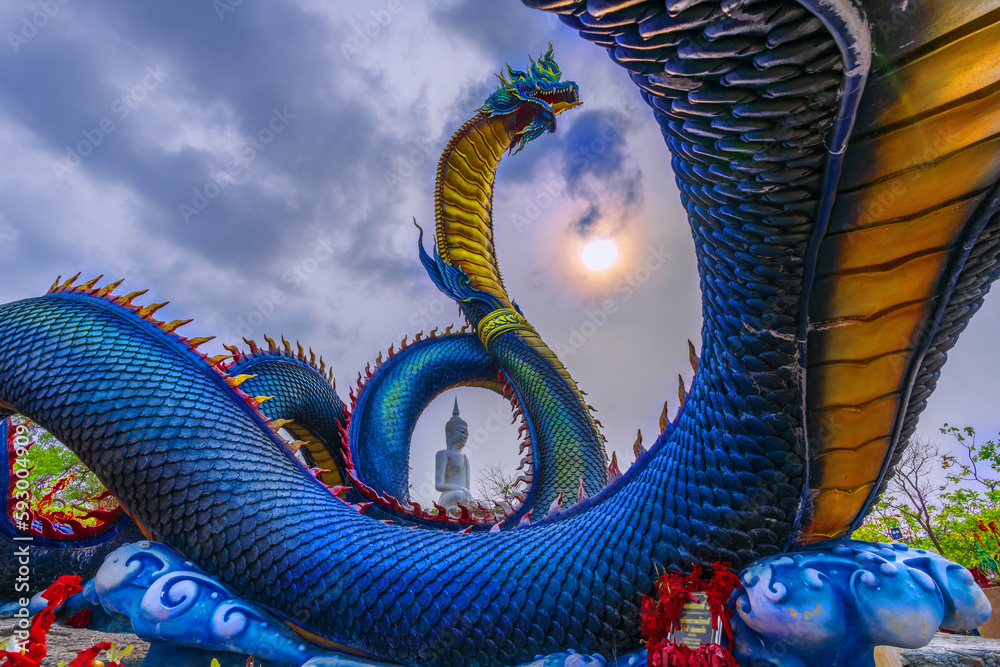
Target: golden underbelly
923,157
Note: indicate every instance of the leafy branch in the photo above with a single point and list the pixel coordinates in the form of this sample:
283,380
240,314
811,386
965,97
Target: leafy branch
947,516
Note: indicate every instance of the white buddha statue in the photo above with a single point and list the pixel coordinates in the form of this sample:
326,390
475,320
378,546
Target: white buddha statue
451,466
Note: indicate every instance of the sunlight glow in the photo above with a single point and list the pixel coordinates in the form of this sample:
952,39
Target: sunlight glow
600,254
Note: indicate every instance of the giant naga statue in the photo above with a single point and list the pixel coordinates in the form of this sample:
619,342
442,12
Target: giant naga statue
839,165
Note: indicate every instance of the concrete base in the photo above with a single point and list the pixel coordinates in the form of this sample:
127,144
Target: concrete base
991,628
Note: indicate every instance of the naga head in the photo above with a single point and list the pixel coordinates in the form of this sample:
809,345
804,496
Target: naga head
532,99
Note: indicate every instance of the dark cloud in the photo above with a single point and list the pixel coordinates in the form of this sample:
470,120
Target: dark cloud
229,75
600,171
595,143
500,31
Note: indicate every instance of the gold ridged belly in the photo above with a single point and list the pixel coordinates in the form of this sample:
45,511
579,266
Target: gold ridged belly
922,158
463,201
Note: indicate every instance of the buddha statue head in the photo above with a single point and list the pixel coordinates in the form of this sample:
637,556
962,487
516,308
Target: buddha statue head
456,431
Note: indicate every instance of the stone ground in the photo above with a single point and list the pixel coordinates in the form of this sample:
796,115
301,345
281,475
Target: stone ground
944,651
64,643
954,651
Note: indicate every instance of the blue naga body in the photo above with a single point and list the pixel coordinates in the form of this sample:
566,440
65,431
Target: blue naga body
782,135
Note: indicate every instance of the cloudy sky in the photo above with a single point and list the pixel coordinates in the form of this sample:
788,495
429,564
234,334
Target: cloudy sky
259,164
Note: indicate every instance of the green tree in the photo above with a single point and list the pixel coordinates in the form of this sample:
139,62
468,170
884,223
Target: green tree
53,465
948,517
972,497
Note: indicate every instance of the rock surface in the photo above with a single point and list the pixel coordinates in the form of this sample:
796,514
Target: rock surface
954,651
64,643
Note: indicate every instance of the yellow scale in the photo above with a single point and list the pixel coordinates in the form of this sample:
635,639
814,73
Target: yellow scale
923,158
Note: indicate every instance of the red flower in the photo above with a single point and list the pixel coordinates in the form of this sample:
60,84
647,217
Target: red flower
80,619
85,657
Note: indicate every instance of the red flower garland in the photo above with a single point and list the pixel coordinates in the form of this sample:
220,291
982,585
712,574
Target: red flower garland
80,619
64,588
85,658
979,577
663,616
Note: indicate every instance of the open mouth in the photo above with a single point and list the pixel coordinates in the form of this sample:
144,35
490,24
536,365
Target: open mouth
563,97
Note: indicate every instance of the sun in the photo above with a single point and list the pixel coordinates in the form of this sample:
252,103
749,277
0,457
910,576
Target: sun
600,254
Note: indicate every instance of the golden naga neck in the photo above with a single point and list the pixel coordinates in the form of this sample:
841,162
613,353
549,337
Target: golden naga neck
463,201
